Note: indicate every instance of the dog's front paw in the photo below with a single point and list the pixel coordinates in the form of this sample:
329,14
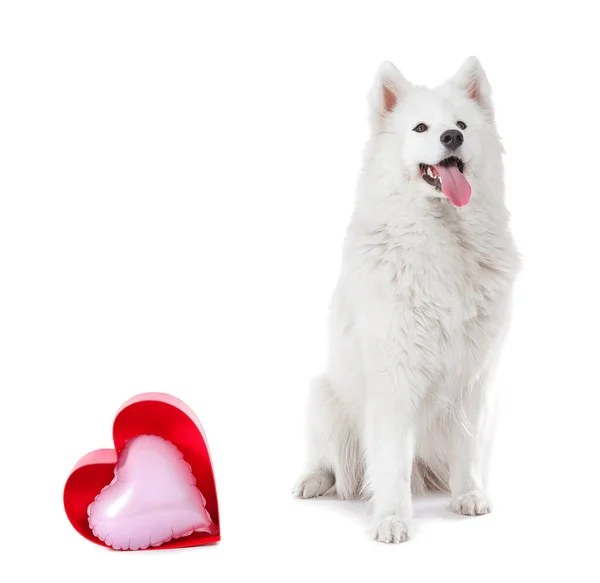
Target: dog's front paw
471,503
319,483
392,529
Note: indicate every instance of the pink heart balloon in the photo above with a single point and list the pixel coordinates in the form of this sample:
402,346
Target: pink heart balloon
152,499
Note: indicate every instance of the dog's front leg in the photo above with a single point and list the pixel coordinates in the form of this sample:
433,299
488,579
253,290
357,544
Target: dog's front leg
389,444
470,442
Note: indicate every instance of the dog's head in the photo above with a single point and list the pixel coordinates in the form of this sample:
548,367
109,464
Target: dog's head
437,140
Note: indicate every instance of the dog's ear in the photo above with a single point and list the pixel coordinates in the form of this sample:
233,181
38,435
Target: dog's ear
472,79
388,90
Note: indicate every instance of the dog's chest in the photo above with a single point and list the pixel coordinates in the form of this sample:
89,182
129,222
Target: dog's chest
448,283
444,272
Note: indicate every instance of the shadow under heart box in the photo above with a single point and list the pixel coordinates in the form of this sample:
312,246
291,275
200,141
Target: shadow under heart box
156,488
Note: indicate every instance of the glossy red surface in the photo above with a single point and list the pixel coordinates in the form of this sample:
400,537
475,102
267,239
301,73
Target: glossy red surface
147,414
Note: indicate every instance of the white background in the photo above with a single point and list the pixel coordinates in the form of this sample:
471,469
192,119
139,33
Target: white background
175,181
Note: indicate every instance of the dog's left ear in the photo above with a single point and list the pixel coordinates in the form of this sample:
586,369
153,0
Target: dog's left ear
472,79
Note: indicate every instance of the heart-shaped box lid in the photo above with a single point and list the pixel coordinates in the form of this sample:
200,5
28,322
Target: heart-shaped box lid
157,414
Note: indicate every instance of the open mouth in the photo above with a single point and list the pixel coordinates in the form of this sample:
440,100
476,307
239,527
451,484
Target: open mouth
447,176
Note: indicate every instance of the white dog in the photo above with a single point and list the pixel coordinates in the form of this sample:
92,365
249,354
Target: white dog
421,307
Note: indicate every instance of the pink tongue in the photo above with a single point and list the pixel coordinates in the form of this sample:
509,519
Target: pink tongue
454,185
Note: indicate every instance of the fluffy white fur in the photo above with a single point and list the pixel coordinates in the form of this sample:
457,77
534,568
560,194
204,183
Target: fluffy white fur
419,313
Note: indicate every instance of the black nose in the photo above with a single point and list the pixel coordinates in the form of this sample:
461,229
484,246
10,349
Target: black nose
452,139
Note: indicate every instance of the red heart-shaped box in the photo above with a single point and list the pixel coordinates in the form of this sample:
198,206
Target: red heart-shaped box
146,414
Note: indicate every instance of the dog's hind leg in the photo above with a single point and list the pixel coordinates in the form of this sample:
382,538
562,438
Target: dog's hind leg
335,460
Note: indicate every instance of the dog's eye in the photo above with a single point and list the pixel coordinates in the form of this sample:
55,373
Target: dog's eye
462,125
420,128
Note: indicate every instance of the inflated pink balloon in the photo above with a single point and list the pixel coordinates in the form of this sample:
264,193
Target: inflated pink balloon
152,499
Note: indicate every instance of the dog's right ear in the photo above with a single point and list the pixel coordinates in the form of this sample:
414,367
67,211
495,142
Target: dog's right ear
388,90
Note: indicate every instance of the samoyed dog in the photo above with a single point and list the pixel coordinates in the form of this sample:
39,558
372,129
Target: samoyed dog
421,307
